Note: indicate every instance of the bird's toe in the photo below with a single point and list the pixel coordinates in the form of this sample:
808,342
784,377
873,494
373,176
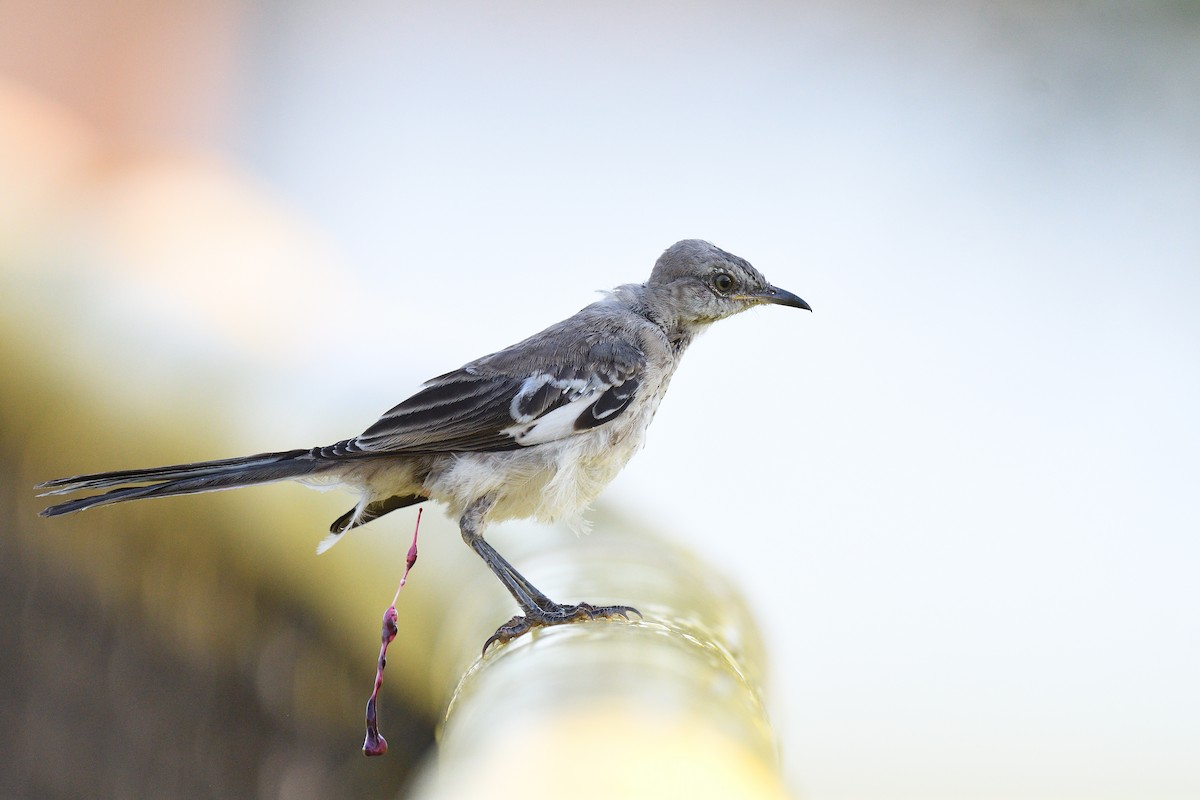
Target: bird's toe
555,615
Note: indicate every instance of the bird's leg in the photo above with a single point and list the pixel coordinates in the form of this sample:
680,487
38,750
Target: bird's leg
539,609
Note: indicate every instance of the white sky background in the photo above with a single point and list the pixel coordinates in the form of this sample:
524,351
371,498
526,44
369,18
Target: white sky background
961,495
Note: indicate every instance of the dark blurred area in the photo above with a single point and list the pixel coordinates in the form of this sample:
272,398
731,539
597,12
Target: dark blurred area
143,659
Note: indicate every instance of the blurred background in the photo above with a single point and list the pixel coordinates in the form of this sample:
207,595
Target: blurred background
960,497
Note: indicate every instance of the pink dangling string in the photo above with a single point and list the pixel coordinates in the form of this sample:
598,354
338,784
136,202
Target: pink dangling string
375,744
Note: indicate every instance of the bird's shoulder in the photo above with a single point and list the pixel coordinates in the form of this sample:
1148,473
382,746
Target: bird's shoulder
604,341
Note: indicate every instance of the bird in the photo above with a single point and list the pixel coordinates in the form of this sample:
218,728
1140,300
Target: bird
535,430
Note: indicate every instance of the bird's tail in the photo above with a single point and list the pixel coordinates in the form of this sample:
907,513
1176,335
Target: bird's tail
203,476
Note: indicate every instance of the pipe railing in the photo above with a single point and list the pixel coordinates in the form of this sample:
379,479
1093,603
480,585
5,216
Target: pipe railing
666,706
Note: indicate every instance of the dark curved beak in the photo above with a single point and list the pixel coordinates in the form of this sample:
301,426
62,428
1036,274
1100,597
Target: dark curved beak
780,297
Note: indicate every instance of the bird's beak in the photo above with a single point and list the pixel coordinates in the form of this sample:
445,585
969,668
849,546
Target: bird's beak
780,297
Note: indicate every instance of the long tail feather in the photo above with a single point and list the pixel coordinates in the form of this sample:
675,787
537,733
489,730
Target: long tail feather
204,476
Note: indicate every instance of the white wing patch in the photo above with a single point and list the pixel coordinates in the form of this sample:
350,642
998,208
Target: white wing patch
573,388
529,428
558,424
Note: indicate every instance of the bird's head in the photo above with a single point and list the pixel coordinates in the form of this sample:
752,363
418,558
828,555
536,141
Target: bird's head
697,283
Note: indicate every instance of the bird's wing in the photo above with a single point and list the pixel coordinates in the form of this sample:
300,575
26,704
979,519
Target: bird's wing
541,390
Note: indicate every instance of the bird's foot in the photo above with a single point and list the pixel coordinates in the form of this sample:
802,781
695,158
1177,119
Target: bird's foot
554,615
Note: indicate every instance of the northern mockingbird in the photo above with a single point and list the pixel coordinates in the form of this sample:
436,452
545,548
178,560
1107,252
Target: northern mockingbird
534,430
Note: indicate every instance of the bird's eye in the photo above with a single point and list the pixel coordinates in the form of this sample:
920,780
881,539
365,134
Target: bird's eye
723,282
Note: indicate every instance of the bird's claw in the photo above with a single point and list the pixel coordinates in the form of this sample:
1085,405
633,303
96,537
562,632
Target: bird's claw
554,615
